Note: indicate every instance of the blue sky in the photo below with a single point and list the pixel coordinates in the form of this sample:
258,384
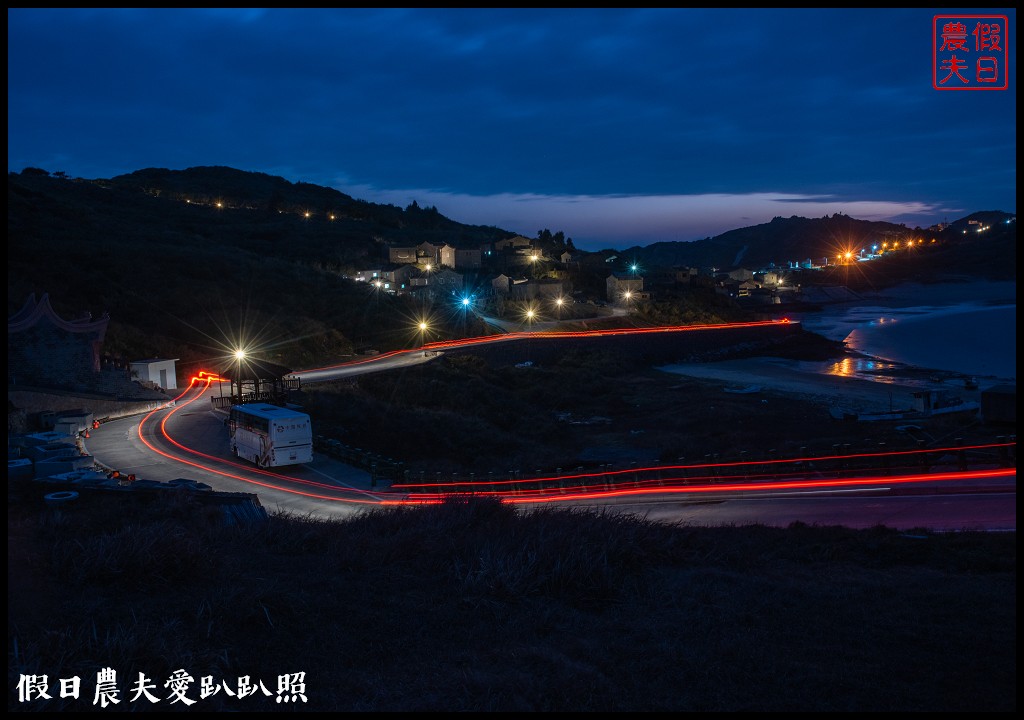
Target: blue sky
618,127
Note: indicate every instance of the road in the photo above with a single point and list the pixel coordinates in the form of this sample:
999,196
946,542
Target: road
190,440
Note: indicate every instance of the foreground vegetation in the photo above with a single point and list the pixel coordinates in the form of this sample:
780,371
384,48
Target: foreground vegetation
473,606
464,413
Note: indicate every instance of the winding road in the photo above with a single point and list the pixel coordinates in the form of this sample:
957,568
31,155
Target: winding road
188,439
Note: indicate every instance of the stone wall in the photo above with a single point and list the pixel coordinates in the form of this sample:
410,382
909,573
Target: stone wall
24,407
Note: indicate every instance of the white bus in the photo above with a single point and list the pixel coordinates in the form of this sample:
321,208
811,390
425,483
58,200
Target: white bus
269,435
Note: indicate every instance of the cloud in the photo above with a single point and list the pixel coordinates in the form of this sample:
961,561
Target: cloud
603,221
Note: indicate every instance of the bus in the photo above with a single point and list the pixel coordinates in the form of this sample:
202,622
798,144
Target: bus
270,436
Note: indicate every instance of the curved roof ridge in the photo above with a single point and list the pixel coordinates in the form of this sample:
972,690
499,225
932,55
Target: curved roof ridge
33,312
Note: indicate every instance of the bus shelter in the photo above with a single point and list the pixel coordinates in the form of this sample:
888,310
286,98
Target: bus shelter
252,380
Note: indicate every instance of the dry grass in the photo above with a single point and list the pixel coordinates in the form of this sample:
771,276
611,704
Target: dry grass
473,606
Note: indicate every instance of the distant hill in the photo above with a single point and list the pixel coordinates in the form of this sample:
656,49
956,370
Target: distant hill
782,241
190,262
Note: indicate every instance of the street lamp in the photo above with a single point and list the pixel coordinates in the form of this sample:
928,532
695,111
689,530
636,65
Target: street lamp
423,333
239,358
465,303
530,315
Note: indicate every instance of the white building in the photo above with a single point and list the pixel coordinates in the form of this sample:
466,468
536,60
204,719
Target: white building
157,371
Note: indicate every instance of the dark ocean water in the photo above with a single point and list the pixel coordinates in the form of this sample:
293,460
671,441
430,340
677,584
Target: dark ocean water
975,337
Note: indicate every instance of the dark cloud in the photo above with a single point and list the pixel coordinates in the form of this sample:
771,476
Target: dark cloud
516,102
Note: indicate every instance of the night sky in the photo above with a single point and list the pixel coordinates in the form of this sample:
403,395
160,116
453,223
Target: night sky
618,127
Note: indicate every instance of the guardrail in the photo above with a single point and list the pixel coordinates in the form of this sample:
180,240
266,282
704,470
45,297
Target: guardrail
842,461
379,466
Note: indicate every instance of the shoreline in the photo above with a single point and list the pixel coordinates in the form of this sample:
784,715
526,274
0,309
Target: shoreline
984,292
952,330
892,390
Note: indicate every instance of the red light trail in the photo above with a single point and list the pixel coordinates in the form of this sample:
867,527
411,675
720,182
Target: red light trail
613,483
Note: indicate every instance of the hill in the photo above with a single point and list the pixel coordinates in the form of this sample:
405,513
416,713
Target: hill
957,249
232,259
192,263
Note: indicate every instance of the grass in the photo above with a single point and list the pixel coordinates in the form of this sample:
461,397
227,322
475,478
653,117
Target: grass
462,414
474,606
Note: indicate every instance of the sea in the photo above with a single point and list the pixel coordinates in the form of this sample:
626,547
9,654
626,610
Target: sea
969,329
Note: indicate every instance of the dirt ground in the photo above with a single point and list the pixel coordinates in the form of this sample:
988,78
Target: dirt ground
689,412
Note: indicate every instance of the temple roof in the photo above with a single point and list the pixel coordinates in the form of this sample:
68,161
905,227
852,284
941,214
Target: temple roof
32,312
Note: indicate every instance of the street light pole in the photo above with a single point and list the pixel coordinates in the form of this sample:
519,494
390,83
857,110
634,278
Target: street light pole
465,310
239,357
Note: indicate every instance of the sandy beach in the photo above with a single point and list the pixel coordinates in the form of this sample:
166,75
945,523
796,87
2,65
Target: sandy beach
812,380
842,383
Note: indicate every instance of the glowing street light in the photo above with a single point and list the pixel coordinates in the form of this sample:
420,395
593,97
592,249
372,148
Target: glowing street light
465,304
423,333
530,315
239,358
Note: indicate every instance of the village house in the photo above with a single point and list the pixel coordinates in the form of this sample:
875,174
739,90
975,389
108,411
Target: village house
623,286
438,284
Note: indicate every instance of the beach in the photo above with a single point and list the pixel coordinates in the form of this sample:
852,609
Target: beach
916,356
813,381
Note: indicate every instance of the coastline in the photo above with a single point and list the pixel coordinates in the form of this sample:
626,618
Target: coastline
865,381
811,380
960,329
952,292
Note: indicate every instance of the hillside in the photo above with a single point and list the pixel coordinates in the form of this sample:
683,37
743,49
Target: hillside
473,606
782,241
193,279
191,263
